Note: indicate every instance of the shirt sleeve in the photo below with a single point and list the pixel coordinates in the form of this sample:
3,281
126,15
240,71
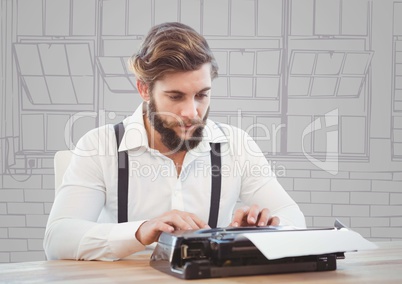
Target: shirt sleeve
72,231
260,186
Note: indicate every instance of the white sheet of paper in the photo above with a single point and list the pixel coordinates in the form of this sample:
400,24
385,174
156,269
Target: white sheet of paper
278,244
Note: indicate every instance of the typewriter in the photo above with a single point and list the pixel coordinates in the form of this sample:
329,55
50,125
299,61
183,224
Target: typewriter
224,252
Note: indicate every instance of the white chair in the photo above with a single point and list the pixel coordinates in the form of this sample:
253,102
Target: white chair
61,162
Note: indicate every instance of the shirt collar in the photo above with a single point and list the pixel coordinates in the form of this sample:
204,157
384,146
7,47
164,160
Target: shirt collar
135,134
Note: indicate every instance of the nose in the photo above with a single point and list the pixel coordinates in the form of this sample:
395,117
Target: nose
189,110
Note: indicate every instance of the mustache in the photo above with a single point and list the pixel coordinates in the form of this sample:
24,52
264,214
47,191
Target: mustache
191,122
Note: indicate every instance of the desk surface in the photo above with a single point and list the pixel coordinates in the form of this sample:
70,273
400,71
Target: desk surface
381,265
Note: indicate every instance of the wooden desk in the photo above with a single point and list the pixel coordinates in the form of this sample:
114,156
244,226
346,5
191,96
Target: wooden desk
381,265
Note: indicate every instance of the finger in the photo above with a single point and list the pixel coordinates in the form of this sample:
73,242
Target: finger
239,215
199,222
183,220
253,214
163,227
179,223
264,217
274,221
150,231
189,220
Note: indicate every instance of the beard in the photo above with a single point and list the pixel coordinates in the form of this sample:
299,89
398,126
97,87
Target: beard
169,138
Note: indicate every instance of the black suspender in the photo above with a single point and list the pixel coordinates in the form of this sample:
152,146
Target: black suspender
216,184
122,186
122,181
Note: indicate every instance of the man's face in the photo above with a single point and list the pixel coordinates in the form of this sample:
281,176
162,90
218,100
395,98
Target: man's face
179,106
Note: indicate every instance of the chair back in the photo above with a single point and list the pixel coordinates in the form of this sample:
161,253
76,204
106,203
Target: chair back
61,162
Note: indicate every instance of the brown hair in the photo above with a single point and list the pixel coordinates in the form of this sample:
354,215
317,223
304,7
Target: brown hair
168,48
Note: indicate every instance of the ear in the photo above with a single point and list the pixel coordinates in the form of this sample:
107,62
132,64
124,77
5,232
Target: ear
143,90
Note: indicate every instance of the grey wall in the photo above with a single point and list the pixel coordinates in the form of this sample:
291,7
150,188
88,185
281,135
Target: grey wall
317,83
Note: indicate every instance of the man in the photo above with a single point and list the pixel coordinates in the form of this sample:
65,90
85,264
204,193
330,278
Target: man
168,143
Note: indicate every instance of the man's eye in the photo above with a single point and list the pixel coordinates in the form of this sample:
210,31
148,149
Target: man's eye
175,98
200,96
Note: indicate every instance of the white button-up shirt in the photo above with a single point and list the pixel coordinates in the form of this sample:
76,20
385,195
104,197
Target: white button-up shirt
83,221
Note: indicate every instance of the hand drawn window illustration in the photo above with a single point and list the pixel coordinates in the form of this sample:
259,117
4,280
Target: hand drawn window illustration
56,79
318,74
114,71
396,136
55,75
328,85
321,78
246,74
251,78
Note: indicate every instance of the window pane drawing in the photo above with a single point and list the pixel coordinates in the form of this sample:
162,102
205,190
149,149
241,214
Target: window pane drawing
324,86
396,135
249,73
268,62
116,75
241,63
56,73
397,97
302,63
329,63
339,74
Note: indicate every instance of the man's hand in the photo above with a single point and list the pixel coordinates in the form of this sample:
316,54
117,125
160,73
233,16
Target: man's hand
170,221
253,216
